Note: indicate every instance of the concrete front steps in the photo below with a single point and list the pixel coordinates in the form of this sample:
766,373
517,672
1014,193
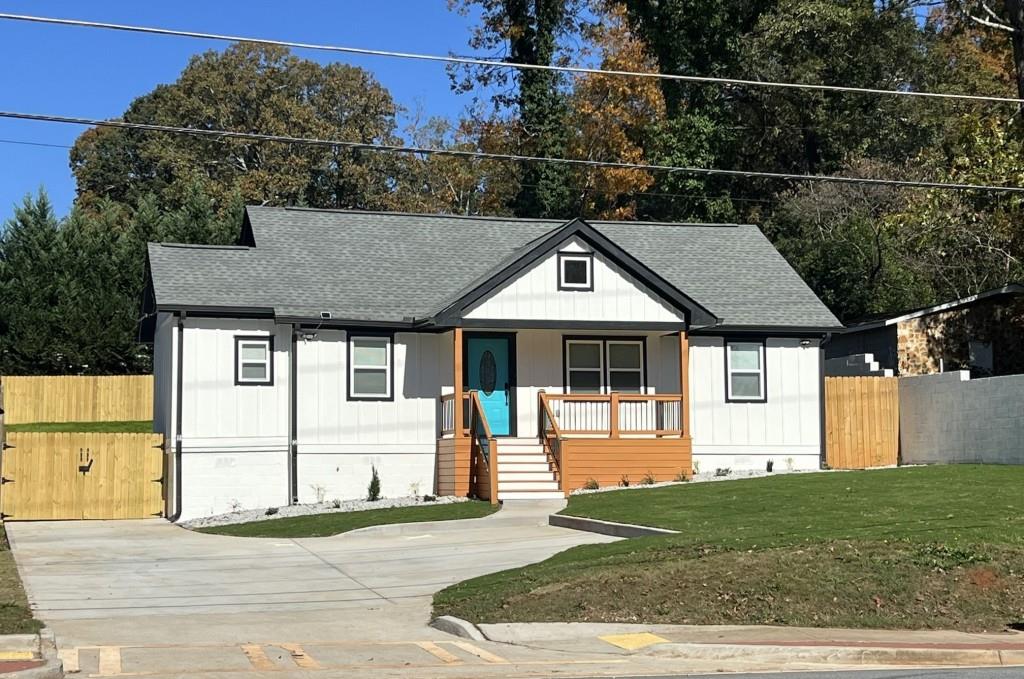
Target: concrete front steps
524,472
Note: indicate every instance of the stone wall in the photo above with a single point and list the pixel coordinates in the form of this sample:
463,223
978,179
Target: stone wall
951,418
941,341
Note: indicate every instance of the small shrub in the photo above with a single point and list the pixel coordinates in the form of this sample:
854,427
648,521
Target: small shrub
234,505
723,471
790,464
336,503
770,466
624,481
591,484
373,490
414,489
270,511
430,498
319,491
681,477
696,467
648,479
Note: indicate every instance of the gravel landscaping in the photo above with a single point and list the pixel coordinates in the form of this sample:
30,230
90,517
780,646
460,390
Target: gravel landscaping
251,515
703,477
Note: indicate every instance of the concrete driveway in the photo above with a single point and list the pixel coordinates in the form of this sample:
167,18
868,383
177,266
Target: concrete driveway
107,587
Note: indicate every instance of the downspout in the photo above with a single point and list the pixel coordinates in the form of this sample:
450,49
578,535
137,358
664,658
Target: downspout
822,457
179,381
293,410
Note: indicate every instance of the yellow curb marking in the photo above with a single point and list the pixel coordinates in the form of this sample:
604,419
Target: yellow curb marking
17,655
438,652
632,642
110,660
69,657
486,656
300,657
258,657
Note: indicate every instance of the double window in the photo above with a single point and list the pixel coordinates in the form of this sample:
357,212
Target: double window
600,366
254,360
744,371
370,369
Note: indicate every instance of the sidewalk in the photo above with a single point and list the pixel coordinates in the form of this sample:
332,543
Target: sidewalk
771,644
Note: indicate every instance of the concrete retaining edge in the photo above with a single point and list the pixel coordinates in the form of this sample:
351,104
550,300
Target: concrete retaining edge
618,530
43,645
457,627
839,655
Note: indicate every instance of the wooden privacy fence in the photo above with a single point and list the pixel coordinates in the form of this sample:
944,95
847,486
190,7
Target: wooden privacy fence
862,422
81,476
70,398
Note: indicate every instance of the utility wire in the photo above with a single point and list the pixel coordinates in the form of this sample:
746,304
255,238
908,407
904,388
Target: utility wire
507,157
34,143
497,63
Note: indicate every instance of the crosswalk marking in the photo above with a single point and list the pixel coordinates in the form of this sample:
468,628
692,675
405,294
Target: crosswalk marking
258,657
300,657
110,660
486,656
438,652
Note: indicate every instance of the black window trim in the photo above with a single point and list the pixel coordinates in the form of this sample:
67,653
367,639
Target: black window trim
604,339
269,341
349,370
763,341
570,254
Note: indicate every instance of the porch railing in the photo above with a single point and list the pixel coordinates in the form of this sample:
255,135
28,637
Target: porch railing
615,415
447,416
551,436
483,450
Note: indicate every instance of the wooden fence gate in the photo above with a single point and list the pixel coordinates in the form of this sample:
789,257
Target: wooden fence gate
81,476
862,422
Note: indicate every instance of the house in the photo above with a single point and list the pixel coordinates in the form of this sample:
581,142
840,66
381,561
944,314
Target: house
983,333
497,357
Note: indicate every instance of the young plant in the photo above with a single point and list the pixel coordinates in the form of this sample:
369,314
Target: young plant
624,481
770,466
591,484
790,464
270,511
648,479
373,490
723,471
696,467
319,491
681,477
336,503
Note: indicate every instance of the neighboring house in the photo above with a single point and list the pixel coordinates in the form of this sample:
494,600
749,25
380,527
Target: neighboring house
983,333
440,348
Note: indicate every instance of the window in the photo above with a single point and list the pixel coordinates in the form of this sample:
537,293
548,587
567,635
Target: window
575,271
254,362
626,366
598,366
744,371
369,368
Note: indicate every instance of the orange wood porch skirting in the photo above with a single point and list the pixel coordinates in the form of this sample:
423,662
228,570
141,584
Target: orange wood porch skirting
608,461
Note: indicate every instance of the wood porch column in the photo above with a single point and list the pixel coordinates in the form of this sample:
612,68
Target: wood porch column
684,382
457,348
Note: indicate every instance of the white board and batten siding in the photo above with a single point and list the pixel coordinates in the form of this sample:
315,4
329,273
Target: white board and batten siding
340,440
234,437
744,436
533,295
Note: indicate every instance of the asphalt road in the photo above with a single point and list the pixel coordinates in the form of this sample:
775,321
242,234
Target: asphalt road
982,673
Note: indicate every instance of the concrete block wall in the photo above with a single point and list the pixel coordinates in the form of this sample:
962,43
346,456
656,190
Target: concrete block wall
950,418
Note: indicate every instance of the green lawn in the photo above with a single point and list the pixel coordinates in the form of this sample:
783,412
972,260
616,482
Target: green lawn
15,616
319,525
923,547
140,427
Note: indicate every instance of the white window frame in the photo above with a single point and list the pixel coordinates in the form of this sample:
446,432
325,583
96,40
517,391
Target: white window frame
588,259
599,370
267,343
762,397
387,368
609,370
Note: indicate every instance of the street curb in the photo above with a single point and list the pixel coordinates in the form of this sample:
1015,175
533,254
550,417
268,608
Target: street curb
458,627
618,530
842,655
42,644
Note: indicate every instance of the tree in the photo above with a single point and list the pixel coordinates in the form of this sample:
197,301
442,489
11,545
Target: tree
248,88
529,32
1005,18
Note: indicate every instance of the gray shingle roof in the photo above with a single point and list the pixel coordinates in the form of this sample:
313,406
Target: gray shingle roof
387,267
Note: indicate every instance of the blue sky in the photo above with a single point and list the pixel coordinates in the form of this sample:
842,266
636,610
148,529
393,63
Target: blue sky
95,74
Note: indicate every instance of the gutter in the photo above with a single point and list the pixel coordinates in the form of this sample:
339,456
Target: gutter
822,456
293,411
180,381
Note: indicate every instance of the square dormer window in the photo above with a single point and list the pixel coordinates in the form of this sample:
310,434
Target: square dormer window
575,271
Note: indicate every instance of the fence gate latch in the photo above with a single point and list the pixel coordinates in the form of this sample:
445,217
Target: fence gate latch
8,446
4,479
84,455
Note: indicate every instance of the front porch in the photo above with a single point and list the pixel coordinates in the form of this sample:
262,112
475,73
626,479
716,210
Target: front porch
565,439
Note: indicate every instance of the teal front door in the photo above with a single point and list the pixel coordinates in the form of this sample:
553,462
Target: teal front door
490,369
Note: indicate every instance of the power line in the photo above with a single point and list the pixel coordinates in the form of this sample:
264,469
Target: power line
34,143
506,157
496,63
